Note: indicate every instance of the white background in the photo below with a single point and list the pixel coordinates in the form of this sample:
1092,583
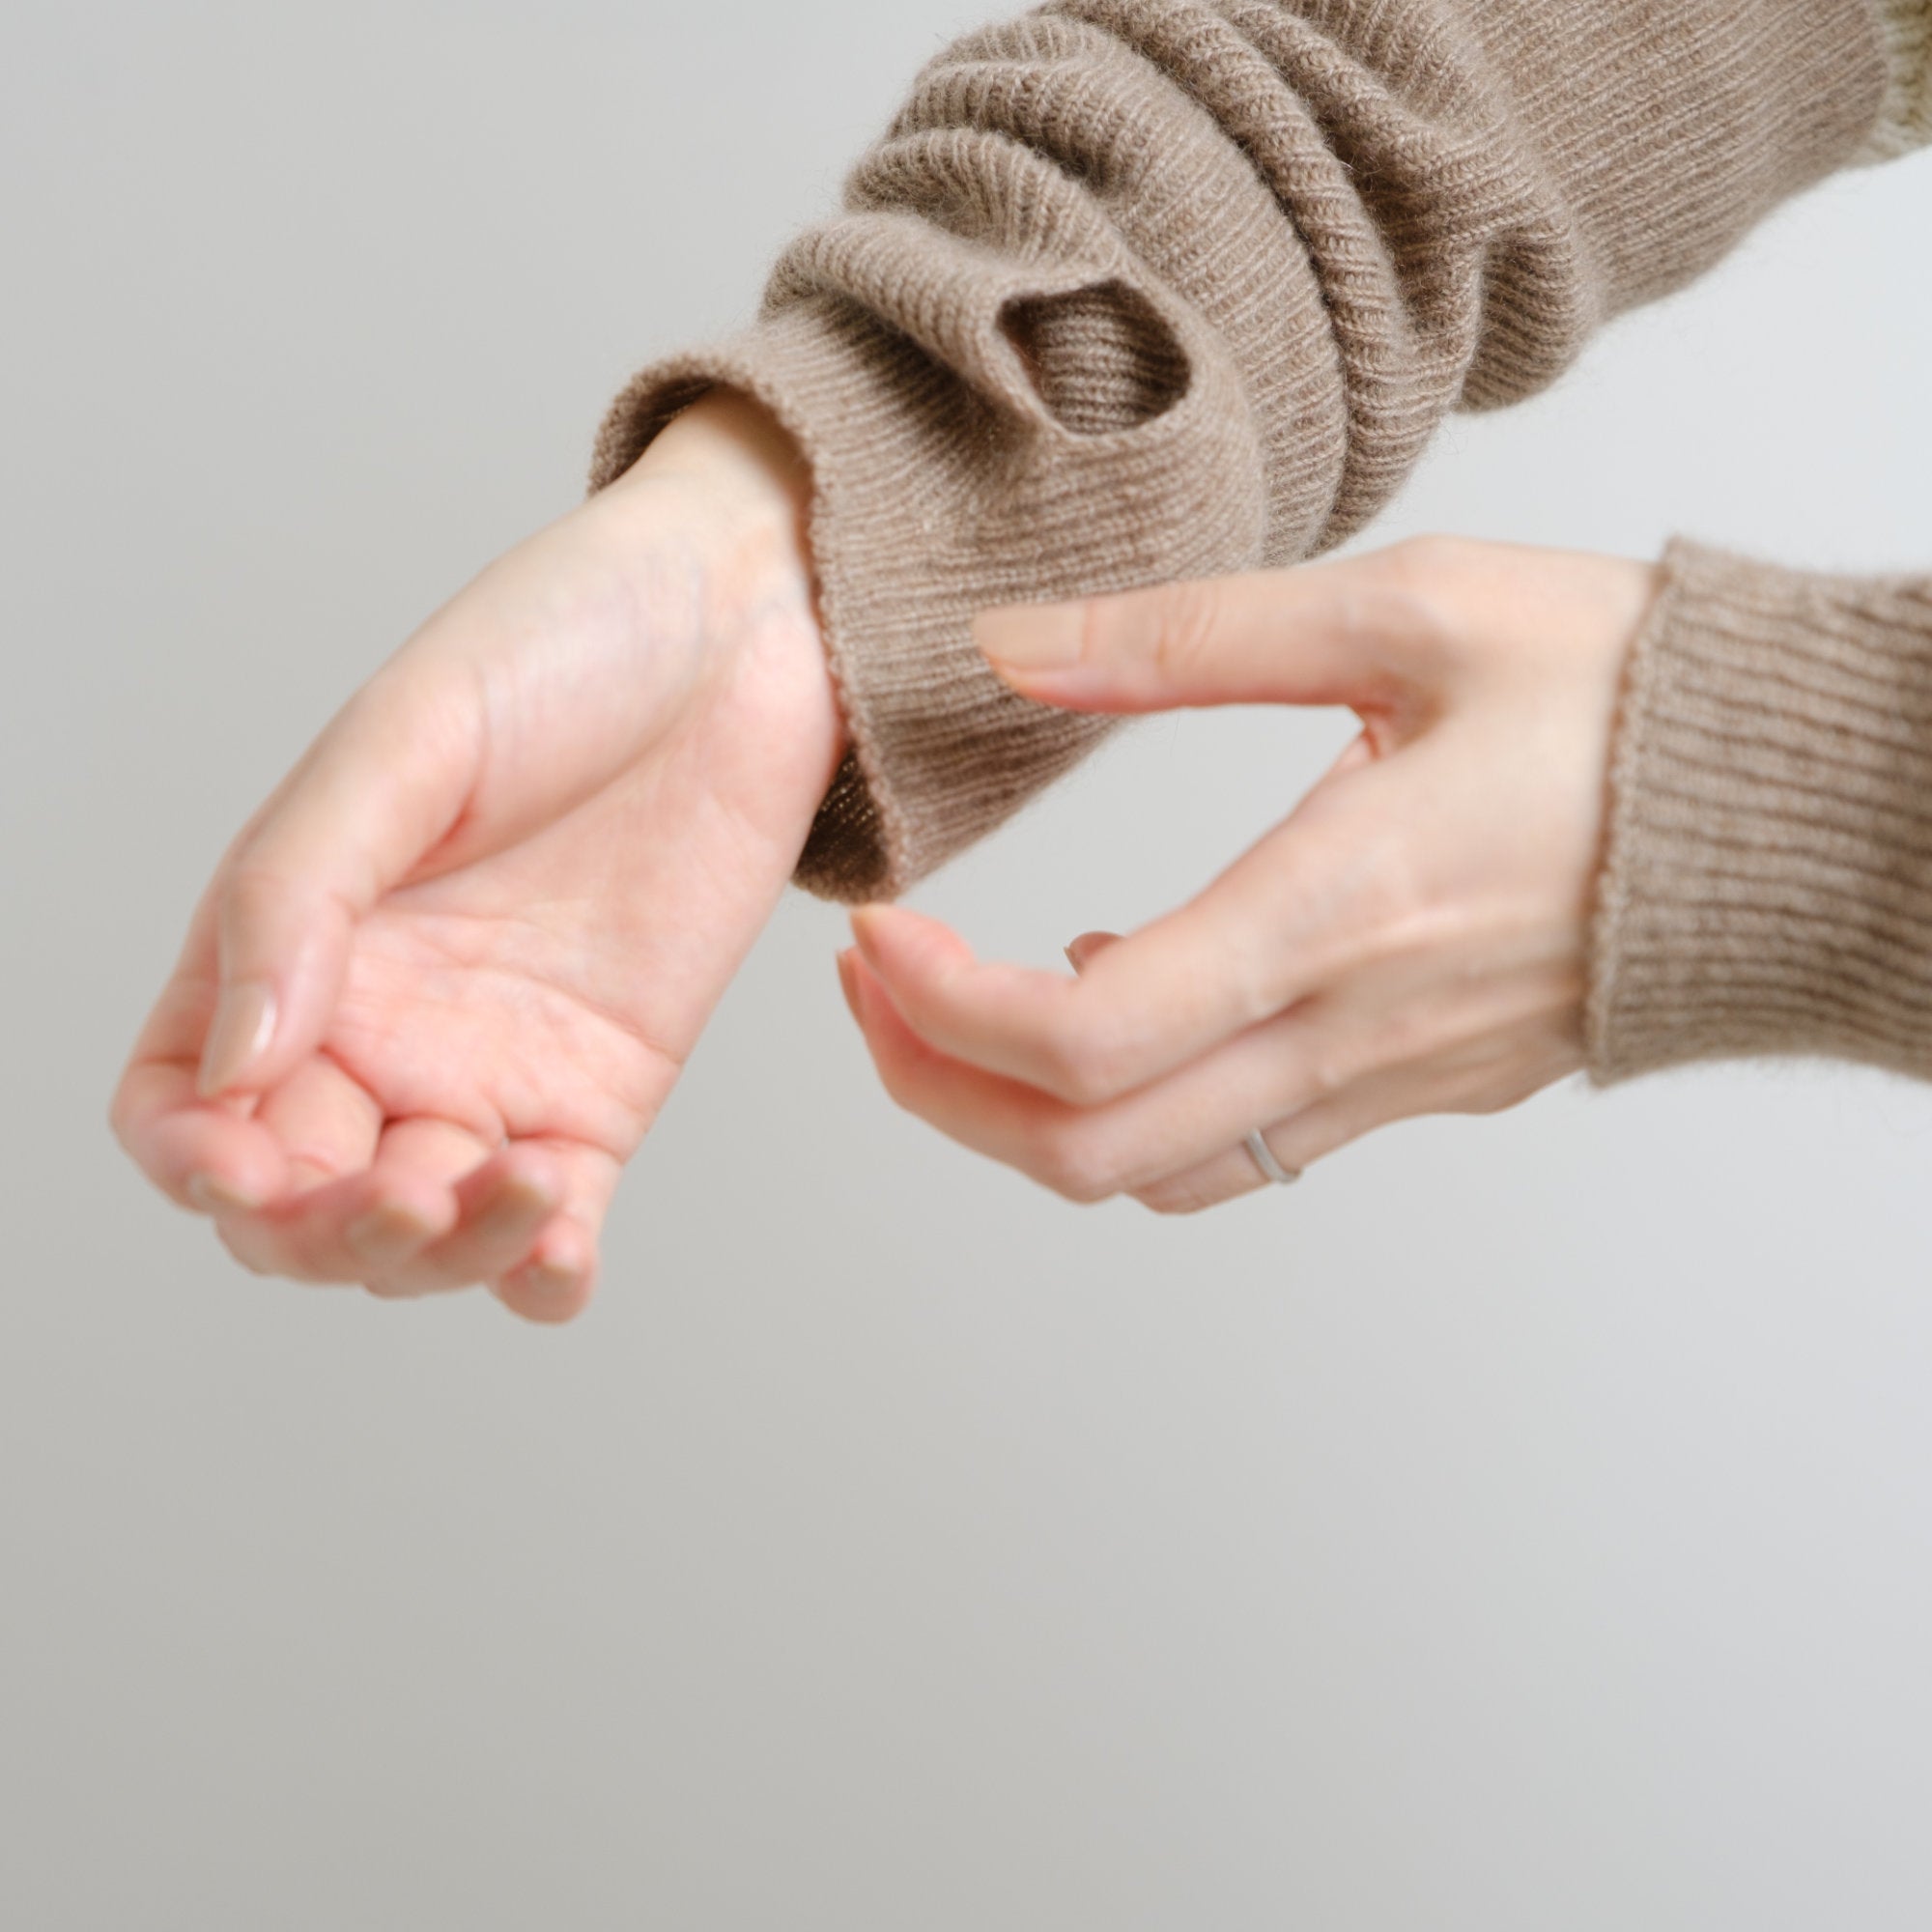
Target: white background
1523,1523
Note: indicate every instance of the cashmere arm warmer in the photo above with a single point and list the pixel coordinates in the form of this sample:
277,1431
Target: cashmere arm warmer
1767,880
1138,290
1767,887
1905,119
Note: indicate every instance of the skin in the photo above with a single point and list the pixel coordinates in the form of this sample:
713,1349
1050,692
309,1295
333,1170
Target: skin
495,900
1411,939
498,897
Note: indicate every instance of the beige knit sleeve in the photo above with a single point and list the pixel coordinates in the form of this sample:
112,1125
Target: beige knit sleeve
1905,120
1767,885
1138,290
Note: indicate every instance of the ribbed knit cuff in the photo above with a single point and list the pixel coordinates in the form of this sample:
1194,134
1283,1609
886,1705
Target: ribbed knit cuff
959,473
1767,883
1133,290
1905,120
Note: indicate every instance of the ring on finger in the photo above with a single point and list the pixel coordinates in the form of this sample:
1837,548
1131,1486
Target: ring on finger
1264,1159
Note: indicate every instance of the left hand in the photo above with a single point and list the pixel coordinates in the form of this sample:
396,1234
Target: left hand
1411,939
443,979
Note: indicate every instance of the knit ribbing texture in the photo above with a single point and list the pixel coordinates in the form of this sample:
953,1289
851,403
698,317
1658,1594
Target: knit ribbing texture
1767,887
1905,120
1138,290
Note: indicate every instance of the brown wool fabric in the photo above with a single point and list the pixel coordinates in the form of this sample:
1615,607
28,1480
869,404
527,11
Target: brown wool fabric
1768,887
1131,291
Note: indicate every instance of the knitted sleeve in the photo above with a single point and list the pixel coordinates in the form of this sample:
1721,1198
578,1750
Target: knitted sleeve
1138,290
1767,879
1767,885
1905,120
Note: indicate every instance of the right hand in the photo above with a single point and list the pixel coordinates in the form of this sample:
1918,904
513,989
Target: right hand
1414,938
495,900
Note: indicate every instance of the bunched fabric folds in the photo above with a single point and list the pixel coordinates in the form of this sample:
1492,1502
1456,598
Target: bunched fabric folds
1138,290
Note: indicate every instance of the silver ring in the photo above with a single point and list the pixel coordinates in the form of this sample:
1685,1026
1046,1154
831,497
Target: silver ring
1264,1160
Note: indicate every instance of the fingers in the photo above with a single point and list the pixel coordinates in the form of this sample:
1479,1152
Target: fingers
1297,1143
443,1211
500,1206
557,1276
1334,1066
1271,988
1454,1082
1326,891
383,783
363,1226
328,1121
438,1209
199,1153
1367,630
1088,1154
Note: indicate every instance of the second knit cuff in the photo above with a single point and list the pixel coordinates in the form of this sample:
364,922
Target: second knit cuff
1767,883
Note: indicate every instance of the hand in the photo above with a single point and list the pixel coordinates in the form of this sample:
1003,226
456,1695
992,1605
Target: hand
1413,937
464,948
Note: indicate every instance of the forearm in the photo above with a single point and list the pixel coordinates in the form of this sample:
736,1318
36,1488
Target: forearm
1138,290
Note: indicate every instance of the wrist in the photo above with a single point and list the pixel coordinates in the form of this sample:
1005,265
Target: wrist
728,469
729,452
728,463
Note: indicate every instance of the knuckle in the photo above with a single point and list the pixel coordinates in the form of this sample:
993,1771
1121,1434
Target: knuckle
1069,1159
1249,983
1380,903
1085,1065
252,891
250,878
1409,1032
1418,584
1184,628
1324,1075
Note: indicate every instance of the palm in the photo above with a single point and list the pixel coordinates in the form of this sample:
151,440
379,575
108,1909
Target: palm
558,985
504,891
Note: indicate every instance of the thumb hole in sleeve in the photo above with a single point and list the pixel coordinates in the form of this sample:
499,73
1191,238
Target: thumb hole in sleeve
1100,357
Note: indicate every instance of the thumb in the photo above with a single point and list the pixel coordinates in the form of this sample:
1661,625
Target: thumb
1353,632
383,783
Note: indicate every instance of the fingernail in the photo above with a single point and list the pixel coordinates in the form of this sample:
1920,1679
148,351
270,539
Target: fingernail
244,1019
865,922
523,1195
386,1234
1030,637
212,1195
849,985
551,1283
1072,957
